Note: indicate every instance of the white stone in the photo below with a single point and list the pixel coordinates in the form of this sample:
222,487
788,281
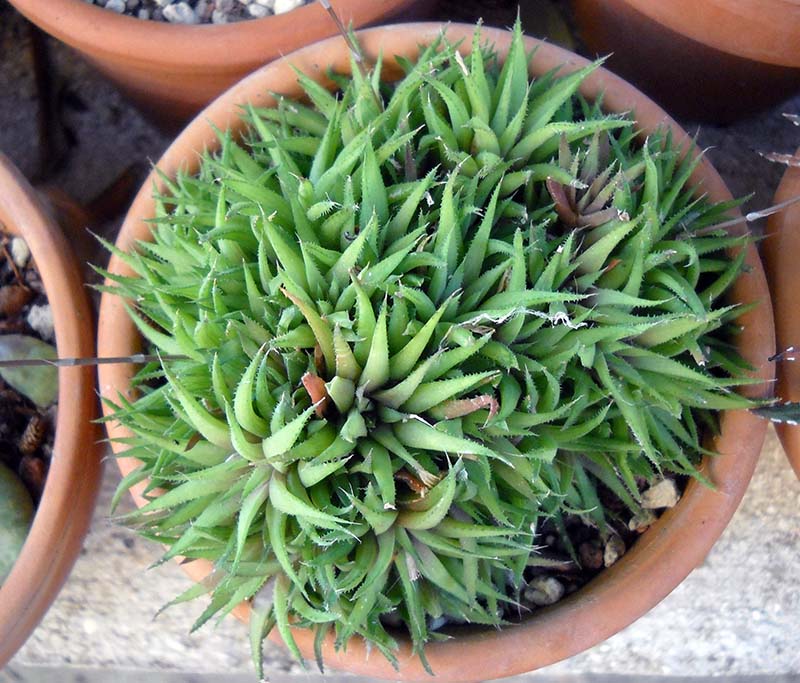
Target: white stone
40,318
615,548
143,14
180,13
641,520
219,17
163,3
664,494
258,11
266,3
20,252
201,9
544,590
283,6
116,5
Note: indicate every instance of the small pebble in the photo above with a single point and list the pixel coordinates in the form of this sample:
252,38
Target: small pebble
258,11
663,494
642,520
131,4
283,6
615,548
116,6
180,13
143,14
20,252
40,318
13,298
544,590
203,10
590,555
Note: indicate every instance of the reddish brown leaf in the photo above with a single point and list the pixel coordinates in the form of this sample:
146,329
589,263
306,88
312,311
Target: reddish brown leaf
315,386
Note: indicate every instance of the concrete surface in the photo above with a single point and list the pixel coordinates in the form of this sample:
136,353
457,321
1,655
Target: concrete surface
737,615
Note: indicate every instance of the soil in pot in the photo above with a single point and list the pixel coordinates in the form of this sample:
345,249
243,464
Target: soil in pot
27,396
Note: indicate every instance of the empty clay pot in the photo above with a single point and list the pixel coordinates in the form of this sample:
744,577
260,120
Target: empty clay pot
67,502
705,60
663,556
171,71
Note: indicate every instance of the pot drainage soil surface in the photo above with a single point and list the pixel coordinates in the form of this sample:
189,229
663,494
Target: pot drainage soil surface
27,415
200,11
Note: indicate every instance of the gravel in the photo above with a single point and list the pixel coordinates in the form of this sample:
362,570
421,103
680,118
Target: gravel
199,11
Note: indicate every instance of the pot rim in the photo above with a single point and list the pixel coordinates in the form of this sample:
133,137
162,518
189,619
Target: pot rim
760,30
64,512
781,246
101,31
663,556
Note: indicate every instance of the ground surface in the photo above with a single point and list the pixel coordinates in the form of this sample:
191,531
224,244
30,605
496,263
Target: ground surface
739,613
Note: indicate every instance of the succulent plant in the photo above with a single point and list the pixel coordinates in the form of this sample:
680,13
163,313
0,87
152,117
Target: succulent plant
416,320
16,515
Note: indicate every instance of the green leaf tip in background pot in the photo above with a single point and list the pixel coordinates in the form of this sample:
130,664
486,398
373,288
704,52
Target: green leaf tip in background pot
16,513
38,382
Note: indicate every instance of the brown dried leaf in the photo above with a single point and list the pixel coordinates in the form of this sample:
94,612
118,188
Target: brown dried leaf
315,386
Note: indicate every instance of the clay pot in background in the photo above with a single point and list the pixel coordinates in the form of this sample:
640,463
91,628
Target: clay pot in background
65,509
781,249
705,60
661,558
171,71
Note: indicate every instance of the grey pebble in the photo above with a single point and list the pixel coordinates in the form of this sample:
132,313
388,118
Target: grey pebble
544,590
615,548
116,6
40,318
258,11
282,6
20,252
180,13
663,494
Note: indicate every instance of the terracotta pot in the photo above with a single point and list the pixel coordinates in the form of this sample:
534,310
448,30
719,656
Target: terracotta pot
707,60
781,249
171,71
65,509
663,556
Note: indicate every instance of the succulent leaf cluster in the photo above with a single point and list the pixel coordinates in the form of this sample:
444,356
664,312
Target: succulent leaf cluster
418,319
